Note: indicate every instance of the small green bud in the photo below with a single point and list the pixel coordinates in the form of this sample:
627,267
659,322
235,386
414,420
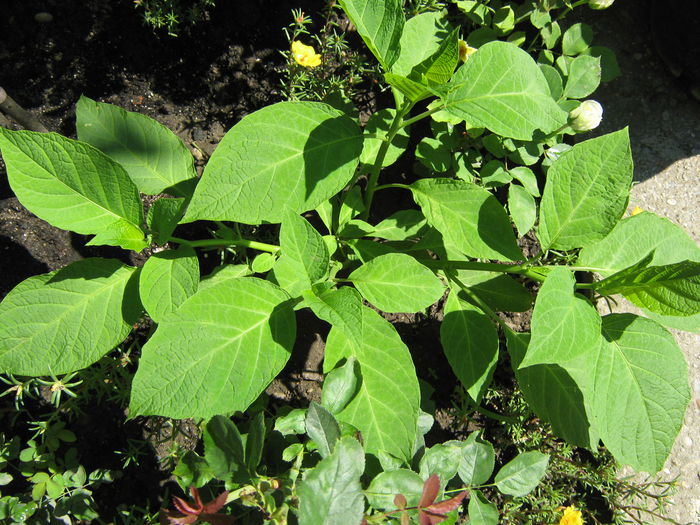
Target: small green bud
600,4
586,117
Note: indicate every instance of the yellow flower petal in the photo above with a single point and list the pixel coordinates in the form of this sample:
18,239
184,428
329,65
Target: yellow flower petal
465,51
571,517
305,55
637,210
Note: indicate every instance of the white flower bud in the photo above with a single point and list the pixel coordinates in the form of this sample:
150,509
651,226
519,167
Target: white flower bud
587,116
600,4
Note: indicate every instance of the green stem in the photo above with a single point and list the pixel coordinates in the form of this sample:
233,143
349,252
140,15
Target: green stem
498,417
421,116
381,154
224,243
526,269
387,186
557,131
474,265
477,300
569,9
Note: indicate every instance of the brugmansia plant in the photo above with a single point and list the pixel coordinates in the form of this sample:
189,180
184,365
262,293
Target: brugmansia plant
498,124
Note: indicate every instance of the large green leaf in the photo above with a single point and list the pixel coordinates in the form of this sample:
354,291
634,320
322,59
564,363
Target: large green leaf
380,24
322,428
429,49
386,405
565,326
442,459
168,278
153,156
553,395
341,308
162,218
502,88
577,39
386,485
217,352
340,386
635,237
477,460
223,447
469,217
522,207
74,186
289,154
415,91
400,226
255,442
225,272
330,493
673,289
304,258
641,391
63,321
470,342
500,291
522,474
584,77
396,282
586,192
481,511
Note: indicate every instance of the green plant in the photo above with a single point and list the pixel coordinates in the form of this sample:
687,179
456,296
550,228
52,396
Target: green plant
172,15
319,477
499,127
57,484
341,69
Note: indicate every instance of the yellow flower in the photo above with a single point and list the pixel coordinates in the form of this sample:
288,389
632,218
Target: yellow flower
305,55
571,517
637,210
465,51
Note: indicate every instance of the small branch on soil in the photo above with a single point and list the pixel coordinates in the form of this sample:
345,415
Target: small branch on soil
23,117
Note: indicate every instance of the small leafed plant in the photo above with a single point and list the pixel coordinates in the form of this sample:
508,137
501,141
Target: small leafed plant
498,126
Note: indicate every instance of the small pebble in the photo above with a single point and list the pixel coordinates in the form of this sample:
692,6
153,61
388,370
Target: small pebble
687,441
672,202
43,17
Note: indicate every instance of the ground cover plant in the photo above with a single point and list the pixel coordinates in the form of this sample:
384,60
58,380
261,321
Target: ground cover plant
498,120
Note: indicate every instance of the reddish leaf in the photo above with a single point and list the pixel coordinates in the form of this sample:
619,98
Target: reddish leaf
186,513
447,506
197,498
214,505
185,508
431,513
431,488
